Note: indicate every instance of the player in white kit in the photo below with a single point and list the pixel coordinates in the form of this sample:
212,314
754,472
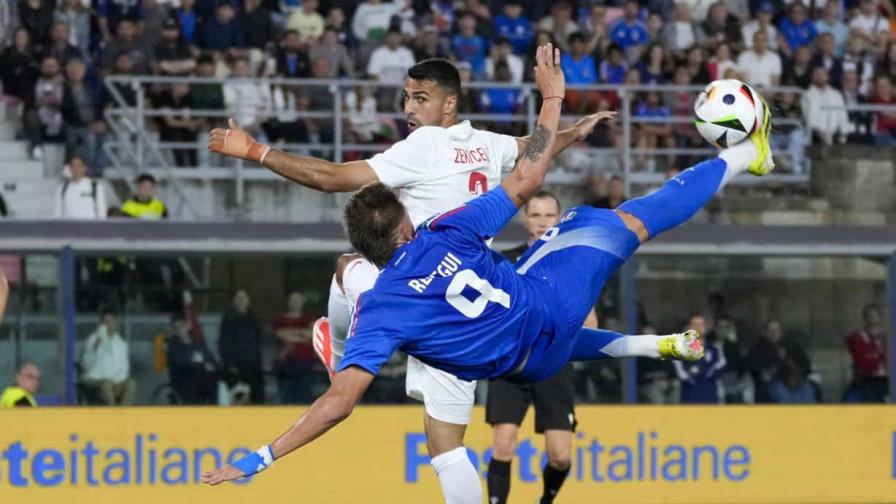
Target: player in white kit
443,163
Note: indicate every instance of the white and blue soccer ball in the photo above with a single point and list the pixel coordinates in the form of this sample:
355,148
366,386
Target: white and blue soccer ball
727,111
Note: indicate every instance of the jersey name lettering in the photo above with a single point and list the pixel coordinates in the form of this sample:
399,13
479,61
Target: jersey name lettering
471,156
449,264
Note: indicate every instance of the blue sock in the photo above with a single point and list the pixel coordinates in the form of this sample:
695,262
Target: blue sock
679,198
590,342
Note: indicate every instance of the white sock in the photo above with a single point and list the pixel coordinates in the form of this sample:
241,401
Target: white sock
644,345
459,480
738,158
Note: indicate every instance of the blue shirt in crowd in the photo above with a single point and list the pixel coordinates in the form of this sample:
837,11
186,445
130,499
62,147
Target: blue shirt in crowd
220,37
472,50
797,36
518,31
578,71
627,35
612,74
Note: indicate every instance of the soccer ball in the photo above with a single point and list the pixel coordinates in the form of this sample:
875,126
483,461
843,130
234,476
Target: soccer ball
727,111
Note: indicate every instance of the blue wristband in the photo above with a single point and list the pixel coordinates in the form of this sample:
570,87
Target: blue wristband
256,461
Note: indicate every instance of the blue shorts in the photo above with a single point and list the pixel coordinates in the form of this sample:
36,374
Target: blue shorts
567,268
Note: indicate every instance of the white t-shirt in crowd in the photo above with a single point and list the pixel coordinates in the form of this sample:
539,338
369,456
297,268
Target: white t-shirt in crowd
390,66
438,169
514,63
375,17
84,199
759,69
869,25
750,29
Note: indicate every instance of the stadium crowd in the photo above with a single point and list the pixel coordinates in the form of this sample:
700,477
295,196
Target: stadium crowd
56,53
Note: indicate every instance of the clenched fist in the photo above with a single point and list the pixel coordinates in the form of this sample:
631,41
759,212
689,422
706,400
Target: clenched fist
236,143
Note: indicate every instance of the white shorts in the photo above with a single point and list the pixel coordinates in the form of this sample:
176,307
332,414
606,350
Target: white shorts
445,396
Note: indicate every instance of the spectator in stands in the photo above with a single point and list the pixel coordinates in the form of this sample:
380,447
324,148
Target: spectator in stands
796,29
208,96
292,59
469,46
594,27
579,68
172,55
654,135
823,109
763,23
654,66
127,42
860,130
155,13
111,12
738,389
247,100
502,100
825,57
285,125
85,129
860,60
21,395
143,204
695,63
560,24
9,20
630,33
389,63
681,32
429,45
239,345
700,380
503,51
788,137
719,65
869,23
339,62
223,34
515,27
18,68
468,99
372,19
798,70
105,363
831,22
316,98
189,22
885,122
868,350
43,123
79,197
792,385
887,64
306,21
295,357
191,366
615,194
655,25
58,45
336,19
258,25
721,27
36,16
766,359
612,70
180,124
360,108
760,66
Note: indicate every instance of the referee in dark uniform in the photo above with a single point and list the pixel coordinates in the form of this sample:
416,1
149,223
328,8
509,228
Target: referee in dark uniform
554,398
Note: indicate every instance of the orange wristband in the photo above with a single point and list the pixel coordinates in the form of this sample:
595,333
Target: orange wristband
257,152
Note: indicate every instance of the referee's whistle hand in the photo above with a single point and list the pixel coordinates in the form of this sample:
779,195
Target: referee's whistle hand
221,474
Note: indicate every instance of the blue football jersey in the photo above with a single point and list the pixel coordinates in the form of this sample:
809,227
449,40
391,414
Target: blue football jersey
449,300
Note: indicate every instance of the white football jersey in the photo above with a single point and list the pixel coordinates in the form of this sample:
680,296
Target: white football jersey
438,169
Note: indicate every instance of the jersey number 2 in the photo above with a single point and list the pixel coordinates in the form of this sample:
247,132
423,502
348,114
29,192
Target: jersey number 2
487,293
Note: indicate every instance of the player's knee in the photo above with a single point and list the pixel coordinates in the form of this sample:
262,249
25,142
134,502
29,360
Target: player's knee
504,442
559,462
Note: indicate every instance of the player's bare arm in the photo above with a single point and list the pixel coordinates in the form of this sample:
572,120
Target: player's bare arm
578,132
533,161
310,172
4,294
334,406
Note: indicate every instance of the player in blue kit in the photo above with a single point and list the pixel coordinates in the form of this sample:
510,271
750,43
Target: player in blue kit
446,298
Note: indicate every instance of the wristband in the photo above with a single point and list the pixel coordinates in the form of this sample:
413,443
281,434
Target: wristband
256,461
257,152
543,98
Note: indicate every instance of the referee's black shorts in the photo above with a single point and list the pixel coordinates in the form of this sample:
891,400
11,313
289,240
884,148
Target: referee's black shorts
554,401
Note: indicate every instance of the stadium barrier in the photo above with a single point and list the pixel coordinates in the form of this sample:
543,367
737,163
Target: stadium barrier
620,455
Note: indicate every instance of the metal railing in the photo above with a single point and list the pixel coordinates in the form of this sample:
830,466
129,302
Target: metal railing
133,150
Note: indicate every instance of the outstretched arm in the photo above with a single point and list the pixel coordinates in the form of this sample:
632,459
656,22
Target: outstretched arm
578,132
533,161
310,172
325,413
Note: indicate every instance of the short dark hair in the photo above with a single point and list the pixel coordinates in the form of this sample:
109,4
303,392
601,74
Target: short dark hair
440,71
576,37
145,177
545,194
372,216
